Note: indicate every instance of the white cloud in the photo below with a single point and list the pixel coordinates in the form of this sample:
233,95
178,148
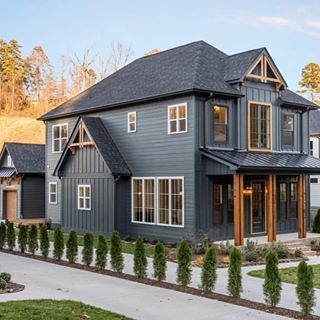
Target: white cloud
313,24
275,21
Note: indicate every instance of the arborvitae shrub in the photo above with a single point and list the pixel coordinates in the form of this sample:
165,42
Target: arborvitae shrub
3,284
72,247
44,241
305,288
33,239
159,262
3,234
58,243
5,276
184,269
139,259
234,273
209,270
11,236
316,223
272,281
87,251
101,253
23,237
116,257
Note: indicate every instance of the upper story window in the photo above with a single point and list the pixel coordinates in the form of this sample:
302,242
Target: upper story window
177,118
59,137
9,161
311,148
287,134
132,122
84,197
259,126
220,124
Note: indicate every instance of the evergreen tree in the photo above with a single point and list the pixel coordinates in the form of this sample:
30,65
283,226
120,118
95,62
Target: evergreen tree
23,237
101,253
11,236
305,288
33,239
58,243
139,259
272,282
184,269
72,247
159,262
116,257
209,270
3,234
316,223
234,273
44,241
87,251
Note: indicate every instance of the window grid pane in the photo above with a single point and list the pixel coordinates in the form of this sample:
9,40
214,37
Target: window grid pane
177,119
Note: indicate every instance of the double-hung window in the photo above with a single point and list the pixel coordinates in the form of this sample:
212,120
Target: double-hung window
220,124
177,118
287,135
59,137
84,197
53,193
132,122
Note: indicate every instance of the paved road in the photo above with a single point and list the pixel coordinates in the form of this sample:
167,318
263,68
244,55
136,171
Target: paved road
45,280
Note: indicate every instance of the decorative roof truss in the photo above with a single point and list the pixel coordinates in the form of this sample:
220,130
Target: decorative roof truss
81,138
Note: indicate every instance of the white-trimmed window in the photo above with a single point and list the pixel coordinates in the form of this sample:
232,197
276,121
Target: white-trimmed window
53,193
132,121
59,137
177,118
9,161
84,197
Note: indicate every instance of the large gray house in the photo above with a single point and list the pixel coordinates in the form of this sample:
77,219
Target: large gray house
183,143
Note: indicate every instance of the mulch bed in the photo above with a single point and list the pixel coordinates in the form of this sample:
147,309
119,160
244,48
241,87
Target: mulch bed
12,288
171,286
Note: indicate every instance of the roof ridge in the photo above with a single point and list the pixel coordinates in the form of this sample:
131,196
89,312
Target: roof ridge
24,143
247,51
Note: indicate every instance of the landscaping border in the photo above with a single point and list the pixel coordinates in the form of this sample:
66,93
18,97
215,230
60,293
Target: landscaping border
12,287
172,286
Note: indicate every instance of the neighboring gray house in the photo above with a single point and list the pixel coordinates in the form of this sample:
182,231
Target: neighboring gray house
185,142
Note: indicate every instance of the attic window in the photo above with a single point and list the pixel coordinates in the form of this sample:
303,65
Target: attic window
9,162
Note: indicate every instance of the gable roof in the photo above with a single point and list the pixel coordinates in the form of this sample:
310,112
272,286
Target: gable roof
291,98
26,157
104,144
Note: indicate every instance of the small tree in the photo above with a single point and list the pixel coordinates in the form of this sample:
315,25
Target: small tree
305,288
58,243
72,247
234,273
316,223
272,282
101,253
44,241
116,252
184,270
11,236
159,262
209,270
23,237
33,239
139,259
87,251
3,234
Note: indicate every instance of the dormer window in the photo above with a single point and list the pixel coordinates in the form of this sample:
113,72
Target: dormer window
220,124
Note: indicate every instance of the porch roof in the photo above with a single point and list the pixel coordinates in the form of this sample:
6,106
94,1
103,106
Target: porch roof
265,161
7,172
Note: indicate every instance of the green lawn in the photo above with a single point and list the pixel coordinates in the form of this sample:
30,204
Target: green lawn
54,310
290,275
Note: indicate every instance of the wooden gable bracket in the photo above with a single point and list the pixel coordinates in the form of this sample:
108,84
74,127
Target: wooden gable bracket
81,133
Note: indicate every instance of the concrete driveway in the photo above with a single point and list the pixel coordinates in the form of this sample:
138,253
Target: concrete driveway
45,280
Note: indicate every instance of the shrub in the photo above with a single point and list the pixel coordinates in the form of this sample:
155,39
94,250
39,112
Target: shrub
44,241
72,247
101,253
225,248
5,276
281,250
3,232
298,253
33,239
23,237
202,245
140,259
87,251
209,270
234,273
305,288
159,262
184,270
252,256
272,281
3,284
316,223
58,243
11,236
116,252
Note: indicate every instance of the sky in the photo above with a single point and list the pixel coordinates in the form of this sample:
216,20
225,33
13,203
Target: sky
289,29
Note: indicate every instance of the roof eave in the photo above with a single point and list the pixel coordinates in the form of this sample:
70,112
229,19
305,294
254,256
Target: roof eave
300,105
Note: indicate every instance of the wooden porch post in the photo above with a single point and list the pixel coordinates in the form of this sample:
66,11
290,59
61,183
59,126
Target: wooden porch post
238,210
271,208
302,231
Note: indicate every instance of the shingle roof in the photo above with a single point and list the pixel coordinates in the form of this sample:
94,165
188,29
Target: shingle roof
265,161
289,97
27,158
105,146
7,172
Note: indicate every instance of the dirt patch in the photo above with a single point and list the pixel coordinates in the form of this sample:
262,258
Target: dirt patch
12,288
171,286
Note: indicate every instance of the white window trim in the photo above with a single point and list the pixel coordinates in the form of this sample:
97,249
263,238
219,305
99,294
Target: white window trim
177,119
9,161
132,122
156,179
50,193
90,197
53,139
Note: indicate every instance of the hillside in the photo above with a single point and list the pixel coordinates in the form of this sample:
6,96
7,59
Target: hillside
18,129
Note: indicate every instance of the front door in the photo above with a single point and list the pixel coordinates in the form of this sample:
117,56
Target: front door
11,205
258,206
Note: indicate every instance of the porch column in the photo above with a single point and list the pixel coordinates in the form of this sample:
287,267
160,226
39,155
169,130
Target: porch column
302,230
238,209
271,208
